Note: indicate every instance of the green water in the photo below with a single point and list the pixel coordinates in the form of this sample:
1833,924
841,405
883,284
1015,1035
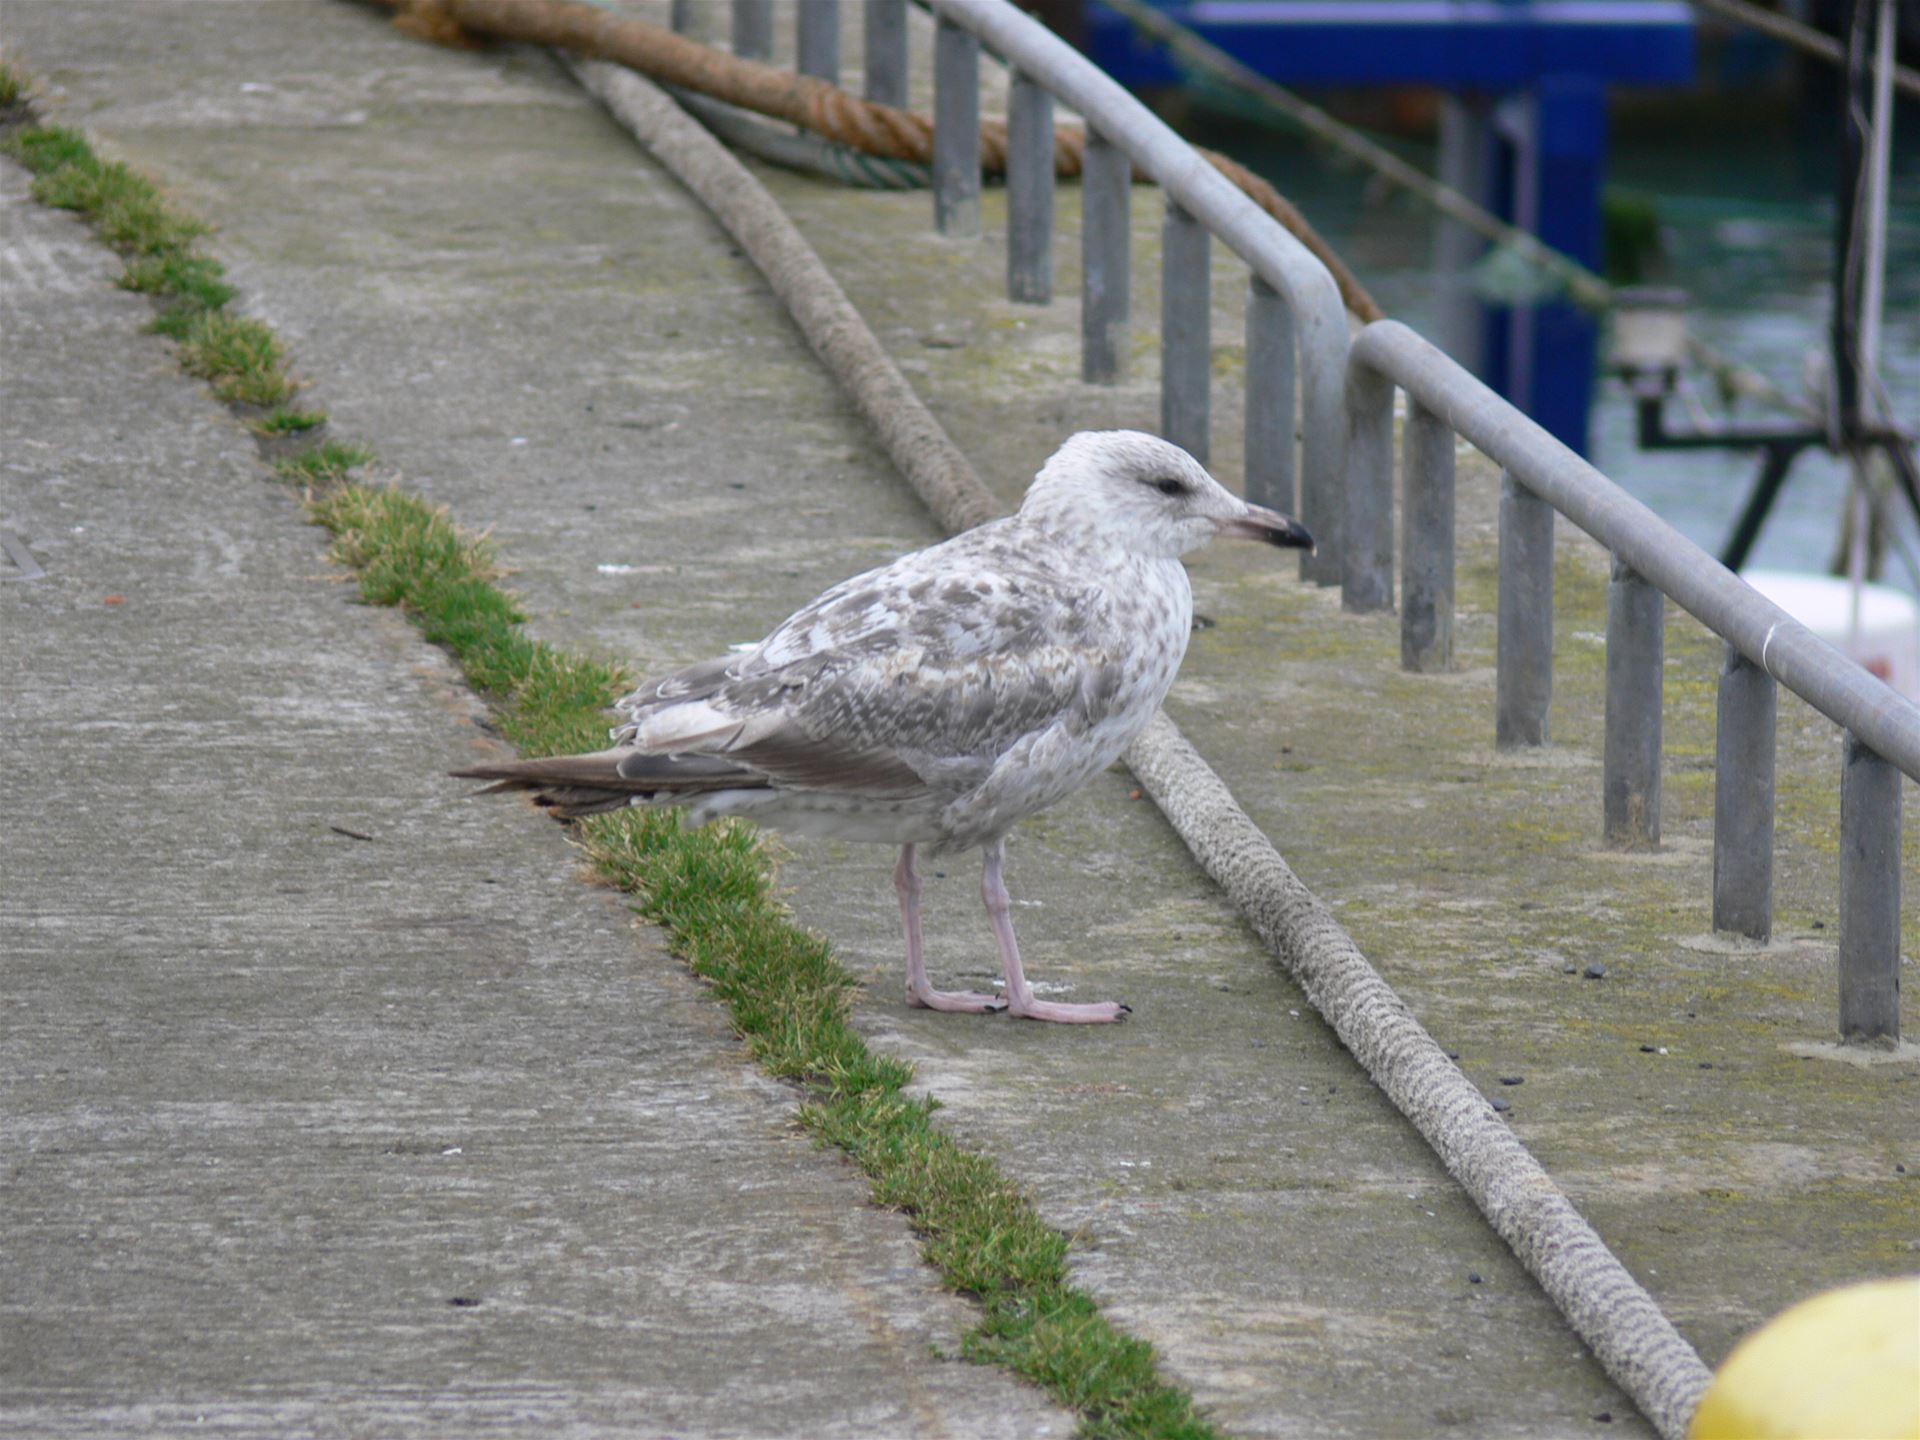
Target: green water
1746,224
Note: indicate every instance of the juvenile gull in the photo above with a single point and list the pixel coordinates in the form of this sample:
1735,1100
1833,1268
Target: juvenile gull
941,699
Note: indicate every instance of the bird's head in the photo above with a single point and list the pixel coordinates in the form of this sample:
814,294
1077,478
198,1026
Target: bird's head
1147,495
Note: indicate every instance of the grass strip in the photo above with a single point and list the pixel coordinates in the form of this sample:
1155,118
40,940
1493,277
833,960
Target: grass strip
239,357
285,421
324,465
708,888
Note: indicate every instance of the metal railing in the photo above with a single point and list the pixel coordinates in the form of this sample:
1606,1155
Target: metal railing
1652,562
1294,305
1296,326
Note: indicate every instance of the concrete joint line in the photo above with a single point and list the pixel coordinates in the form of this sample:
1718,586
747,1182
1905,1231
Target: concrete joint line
1611,1312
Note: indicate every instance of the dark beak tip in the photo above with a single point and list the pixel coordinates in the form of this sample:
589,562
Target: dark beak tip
1282,531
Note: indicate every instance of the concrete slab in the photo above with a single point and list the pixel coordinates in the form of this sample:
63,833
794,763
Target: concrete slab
463,255
332,1103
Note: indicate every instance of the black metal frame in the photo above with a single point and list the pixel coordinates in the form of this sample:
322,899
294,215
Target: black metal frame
1850,432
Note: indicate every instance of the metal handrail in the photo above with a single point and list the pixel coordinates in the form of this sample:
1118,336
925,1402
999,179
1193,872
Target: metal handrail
1650,560
1296,323
1309,315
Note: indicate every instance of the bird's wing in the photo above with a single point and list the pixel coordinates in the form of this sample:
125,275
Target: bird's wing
912,680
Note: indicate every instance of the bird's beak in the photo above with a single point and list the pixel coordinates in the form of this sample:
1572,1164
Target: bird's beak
1260,523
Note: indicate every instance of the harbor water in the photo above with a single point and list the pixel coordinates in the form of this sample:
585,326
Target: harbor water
1745,219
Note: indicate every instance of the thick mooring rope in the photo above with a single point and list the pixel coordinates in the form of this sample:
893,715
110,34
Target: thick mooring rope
579,28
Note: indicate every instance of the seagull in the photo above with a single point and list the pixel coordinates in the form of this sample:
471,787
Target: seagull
937,701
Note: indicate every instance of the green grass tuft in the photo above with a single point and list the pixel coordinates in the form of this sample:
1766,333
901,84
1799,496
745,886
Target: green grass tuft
13,86
323,466
789,999
124,207
285,421
194,279
238,355
45,148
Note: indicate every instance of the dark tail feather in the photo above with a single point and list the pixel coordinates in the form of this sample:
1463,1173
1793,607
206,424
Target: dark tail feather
570,786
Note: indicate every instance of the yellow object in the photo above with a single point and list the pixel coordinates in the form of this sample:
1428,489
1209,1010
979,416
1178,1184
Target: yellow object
1842,1366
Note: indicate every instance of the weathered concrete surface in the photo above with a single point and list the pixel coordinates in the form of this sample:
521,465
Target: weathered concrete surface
463,254
314,1133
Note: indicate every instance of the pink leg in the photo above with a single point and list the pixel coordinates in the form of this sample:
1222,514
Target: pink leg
920,991
1020,998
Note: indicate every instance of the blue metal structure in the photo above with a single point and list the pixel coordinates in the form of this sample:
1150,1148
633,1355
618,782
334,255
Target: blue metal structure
1494,45
1526,135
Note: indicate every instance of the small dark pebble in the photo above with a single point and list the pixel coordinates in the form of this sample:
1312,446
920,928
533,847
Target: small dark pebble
1899,1169
1473,1277
1647,1050
1501,1107
1569,969
1706,1064
1513,1079
1605,1417
1819,924
1595,971
1453,1054
464,1302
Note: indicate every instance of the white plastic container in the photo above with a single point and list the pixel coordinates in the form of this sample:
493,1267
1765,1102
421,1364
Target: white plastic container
1887,642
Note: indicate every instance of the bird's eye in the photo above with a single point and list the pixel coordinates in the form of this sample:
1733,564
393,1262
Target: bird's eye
1171,486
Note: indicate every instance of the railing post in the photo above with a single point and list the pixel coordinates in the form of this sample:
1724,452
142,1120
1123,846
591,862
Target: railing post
1271,448
1869,895
885,61
1106,220
753,29
1366,581
1029,192
818,52
1323,493
1524,678
1186,332
1636,658
1426,542
1743,798
956,131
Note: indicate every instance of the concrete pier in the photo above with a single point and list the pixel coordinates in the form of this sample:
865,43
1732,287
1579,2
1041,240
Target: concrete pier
279,1102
